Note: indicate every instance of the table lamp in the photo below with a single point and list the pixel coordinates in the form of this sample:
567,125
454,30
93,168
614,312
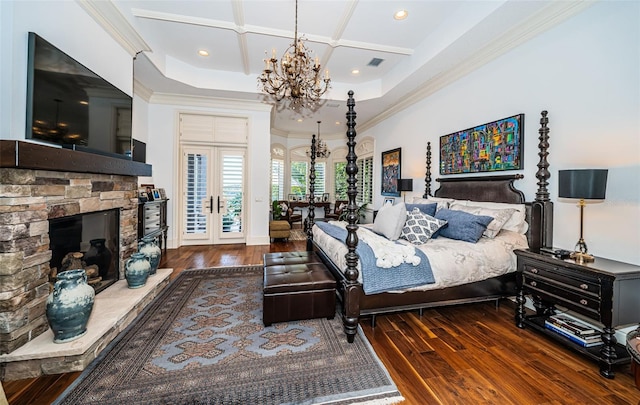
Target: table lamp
585,184
405,185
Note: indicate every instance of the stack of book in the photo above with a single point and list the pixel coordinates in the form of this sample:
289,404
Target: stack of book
575,330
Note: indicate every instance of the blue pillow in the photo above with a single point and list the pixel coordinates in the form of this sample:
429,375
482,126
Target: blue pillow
462,225
429,209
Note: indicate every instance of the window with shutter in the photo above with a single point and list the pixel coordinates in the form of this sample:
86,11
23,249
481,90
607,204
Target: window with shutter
277,179
299,178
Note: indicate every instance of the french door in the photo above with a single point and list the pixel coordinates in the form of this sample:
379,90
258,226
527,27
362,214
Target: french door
213,195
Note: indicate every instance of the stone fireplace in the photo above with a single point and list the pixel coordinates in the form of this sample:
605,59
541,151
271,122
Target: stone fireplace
38,184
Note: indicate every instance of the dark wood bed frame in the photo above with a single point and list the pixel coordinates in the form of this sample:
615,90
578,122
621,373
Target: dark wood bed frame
486,188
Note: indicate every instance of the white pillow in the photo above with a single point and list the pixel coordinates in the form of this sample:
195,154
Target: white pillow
442,202
420,227
500,216
390,220
517,222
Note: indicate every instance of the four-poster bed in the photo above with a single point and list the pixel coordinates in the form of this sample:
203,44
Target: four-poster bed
495,189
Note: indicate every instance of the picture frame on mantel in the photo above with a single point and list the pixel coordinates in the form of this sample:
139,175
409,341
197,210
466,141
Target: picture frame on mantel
391,160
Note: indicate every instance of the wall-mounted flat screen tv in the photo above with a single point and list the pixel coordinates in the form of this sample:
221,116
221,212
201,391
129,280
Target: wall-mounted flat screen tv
71,106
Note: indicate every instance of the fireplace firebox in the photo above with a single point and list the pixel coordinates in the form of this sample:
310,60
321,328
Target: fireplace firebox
89,241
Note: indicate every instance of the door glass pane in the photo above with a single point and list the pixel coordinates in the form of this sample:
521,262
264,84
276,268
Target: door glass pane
232,181
196,192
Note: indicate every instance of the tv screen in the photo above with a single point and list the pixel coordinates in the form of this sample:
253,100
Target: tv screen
71,106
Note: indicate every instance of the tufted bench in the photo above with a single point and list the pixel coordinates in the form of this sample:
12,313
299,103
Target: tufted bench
297,285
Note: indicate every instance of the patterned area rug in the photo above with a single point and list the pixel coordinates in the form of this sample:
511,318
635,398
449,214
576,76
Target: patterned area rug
202,341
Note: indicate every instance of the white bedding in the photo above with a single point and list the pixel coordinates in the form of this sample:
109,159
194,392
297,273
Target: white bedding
453,262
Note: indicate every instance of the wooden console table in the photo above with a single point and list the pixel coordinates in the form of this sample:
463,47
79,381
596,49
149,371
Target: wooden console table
605,291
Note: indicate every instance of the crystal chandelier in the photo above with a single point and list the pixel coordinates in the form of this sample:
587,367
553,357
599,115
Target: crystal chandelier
322,151
296,77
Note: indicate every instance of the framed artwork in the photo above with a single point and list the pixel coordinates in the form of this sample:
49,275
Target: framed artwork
163,194
325,197
156,194
142,195
391,172
293,197
389,200
490,147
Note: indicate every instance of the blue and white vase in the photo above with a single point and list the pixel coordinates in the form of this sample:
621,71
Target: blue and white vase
137,270
150,248
69,305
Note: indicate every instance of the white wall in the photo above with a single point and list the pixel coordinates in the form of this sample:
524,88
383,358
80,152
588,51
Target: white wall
162,147
67,26
586,73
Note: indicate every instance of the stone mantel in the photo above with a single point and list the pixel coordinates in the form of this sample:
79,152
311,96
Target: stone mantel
39,183
27,155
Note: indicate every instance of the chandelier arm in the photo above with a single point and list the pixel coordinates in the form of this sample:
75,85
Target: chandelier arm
296,76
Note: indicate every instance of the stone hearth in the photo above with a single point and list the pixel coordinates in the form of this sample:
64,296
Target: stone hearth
114,309
39,183
29,199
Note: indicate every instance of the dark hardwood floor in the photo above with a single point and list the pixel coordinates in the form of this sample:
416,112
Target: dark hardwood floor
453,355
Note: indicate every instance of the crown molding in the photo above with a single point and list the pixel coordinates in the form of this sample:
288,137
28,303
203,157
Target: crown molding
540,22
141,90
112,21
208,102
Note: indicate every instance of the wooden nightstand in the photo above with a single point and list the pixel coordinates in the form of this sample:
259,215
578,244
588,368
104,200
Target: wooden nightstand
606,291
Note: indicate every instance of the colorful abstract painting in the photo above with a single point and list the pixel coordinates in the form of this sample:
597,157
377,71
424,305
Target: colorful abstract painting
490,147
391,172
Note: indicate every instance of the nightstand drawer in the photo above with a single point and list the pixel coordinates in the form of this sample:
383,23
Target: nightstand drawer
569,279
585,304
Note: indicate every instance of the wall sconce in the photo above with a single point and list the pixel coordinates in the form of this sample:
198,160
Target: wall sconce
405,185
585,184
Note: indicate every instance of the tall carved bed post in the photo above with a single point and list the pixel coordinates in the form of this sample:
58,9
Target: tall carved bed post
427,176
309,221
351,301
541,215
542,207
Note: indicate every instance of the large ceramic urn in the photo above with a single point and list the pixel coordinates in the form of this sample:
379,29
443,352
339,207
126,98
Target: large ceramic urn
152,251
69,305
137,270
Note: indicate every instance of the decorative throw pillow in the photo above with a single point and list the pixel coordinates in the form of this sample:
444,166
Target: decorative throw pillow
517,222
500,216
390,220
442,202
462,225
429,209
420,227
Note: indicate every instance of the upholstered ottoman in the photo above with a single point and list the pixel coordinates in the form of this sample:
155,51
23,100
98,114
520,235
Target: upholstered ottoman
284,258
297,291
279,229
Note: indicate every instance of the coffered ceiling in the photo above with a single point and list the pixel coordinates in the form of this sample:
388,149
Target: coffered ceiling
439,42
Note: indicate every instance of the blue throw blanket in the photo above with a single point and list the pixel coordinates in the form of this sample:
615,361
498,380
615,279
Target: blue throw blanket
378,280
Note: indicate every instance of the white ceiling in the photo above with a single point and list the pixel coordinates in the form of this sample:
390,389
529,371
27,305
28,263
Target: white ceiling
439,42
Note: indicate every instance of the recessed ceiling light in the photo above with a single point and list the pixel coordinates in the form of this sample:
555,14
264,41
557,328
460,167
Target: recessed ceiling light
203,52
299,119
401,14
337,122
355,72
